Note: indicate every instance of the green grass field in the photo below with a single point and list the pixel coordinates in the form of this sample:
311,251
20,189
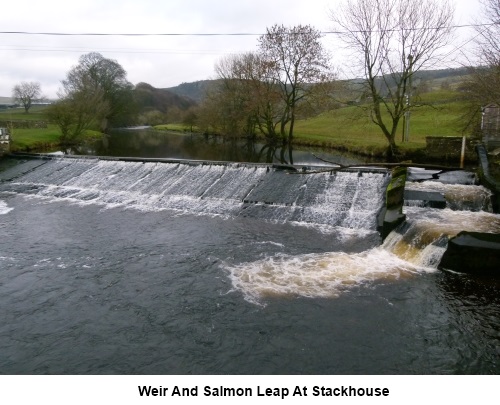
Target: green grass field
35,139
352,127
348,128
18,114
175,127
39,139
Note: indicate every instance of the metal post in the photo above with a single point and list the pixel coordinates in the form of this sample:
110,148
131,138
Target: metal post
407,122
462,154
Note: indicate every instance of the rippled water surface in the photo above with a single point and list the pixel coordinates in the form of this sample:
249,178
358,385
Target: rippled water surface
94,288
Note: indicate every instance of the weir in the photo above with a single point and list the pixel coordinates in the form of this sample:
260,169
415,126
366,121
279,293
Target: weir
361,199
351,198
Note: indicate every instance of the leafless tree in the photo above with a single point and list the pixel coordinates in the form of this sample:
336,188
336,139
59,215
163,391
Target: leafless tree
264,91
25,93
295,62
487,76
483,85
246,101
391,40
488,33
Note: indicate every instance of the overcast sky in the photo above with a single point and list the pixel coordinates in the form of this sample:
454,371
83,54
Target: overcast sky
162,61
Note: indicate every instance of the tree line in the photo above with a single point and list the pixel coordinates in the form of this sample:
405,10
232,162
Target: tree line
289,76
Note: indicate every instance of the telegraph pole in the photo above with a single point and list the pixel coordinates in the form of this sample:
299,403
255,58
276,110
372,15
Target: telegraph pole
406,118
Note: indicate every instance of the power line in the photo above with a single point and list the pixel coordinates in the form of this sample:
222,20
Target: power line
104,34
213,34
115,50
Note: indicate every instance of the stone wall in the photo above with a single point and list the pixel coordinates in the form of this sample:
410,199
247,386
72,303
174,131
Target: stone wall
449,148
25,124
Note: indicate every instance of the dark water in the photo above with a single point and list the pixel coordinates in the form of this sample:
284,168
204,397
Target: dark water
90,285
146,142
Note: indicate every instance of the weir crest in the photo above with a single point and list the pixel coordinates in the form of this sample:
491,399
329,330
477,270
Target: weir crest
351,199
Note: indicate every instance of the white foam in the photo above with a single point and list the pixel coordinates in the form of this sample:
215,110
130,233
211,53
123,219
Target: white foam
4,208
415,249
450,222
349,200
458,196
324,275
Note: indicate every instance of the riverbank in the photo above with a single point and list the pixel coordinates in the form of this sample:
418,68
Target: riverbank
47,140
344,129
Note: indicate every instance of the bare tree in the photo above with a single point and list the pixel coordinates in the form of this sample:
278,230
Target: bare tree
391,40
486,77
246,100
25,93
488,33
295,61
483,85
265,90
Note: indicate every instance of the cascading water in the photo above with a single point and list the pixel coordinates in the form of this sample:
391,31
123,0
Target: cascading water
340,202
416,246
347,199
155,268
343,202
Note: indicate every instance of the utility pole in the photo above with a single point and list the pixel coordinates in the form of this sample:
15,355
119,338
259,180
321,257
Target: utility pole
406,118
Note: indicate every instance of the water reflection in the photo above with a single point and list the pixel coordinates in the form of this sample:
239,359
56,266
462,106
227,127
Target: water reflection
149,143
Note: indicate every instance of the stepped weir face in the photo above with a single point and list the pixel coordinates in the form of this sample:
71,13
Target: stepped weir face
349,199
111,266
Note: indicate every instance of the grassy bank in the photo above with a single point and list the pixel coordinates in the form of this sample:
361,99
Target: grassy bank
36,113
351,127
30,139
42,139
36,139
348,128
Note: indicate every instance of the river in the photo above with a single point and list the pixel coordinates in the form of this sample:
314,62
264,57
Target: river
148,268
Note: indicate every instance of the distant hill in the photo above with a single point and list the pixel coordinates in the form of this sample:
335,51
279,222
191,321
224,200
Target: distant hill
194,91
433,79
151,98
186,95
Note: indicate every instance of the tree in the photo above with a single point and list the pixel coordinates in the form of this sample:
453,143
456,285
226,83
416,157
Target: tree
265,90
106,77
488,34
294,60
391,40
244,100
190,118
483,85
78,111
25,93
487,76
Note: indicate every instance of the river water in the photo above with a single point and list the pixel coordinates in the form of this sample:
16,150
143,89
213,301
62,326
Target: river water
148,268
149,143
